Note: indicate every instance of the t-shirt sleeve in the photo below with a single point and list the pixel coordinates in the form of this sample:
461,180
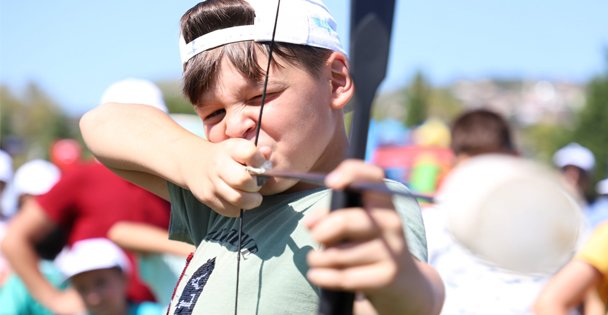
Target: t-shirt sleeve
189,218
595,250
413,226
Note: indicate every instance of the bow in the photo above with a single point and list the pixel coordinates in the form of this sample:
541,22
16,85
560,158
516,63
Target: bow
370,33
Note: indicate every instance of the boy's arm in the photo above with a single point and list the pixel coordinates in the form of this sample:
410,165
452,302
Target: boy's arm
365,250
567,289
145,146
29,226
138,142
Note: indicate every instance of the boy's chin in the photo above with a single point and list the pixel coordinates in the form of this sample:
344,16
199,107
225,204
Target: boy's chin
274,186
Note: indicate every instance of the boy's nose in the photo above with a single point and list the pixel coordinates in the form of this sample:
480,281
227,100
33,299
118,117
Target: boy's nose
241,123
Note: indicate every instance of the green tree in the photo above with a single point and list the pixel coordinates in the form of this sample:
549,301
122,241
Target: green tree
33,122
591,129
417,102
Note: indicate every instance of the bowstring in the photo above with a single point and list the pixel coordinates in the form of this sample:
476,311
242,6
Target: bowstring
257,136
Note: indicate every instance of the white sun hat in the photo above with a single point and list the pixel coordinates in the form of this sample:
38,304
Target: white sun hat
602,187
576,155
36,177
134,91
302,22
511,212
6,167
92,254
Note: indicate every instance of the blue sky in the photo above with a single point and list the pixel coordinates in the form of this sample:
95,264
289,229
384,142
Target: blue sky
74,49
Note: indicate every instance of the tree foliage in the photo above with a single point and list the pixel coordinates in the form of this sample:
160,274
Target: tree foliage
417,103
32,122
591,129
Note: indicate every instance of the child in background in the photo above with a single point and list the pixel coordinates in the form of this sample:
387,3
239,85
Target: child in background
86,201
98,269
160,259
31,179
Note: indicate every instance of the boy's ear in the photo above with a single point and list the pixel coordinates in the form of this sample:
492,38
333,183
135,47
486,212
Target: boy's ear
342,86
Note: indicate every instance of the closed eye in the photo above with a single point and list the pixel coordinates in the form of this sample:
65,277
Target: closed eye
257,100
214,117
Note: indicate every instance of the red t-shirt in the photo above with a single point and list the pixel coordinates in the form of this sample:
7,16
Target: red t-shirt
89,199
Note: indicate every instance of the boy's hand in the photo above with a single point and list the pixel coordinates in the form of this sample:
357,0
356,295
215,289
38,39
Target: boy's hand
218,178
364,248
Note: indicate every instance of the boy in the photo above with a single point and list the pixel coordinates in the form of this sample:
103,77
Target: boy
98,269
303,130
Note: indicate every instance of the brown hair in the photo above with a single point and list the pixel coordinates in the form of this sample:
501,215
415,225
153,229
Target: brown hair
202,70
481,131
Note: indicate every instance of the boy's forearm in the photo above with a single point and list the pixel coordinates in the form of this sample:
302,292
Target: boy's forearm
136,138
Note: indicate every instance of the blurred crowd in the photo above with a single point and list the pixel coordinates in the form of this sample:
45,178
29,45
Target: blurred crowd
509,235
78,239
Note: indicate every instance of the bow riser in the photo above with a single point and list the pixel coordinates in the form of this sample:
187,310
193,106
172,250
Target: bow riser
371,27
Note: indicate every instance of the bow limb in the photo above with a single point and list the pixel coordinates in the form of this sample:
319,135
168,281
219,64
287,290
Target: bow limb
371,26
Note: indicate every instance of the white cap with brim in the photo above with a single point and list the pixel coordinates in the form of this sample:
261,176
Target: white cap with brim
576,155
35,177
511,212
134,91
602,187
92,254
302,22
6,167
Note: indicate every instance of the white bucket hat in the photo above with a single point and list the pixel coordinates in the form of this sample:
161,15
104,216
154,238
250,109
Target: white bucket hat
602,187
134,91
6,167
92,254
36,177
576,155
302,22
511,212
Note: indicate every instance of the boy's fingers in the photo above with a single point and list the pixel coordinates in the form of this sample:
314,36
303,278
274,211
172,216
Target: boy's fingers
238,198
351,171
355,224
365,277
246,153
352,254
238,178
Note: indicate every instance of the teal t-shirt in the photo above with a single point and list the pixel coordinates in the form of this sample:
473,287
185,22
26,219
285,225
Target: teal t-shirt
146,308
16,299
274,247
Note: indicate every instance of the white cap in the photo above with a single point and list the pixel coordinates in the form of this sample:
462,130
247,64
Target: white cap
6,167
302,22
511,212
36,177
92,254
602,187
134,91
576,155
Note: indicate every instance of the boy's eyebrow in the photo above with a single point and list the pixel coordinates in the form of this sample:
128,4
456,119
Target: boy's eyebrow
247,87
274,83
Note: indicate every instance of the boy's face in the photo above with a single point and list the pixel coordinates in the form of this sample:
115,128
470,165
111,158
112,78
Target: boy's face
302,124
103,291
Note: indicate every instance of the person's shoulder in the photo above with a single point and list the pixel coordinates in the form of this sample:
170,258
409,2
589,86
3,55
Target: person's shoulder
601,231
